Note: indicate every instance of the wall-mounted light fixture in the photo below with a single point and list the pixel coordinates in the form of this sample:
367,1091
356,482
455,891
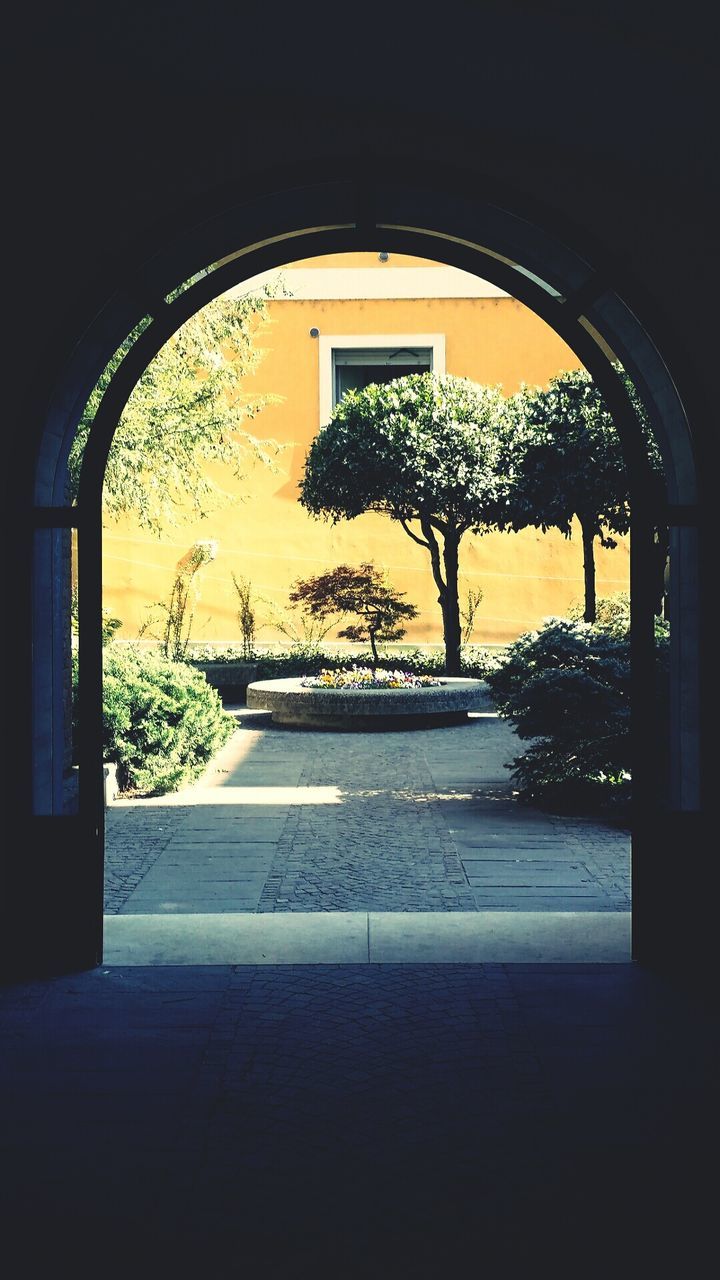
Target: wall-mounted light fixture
383,256
314,333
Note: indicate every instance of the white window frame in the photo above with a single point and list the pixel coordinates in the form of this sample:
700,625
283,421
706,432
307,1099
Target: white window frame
328,343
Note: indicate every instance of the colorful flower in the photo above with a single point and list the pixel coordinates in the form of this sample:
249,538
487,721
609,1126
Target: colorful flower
367,678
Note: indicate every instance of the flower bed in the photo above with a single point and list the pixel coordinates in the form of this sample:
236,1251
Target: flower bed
364,706
368,678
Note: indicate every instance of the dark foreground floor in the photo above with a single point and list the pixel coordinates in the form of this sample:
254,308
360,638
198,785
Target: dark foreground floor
381,1120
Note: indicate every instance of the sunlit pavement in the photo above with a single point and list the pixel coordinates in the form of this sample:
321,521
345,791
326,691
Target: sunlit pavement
260,1088
324,825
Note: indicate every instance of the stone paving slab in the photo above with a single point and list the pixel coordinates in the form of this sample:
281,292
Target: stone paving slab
522,873
220,891
252,831
423,822
207,877
205,818
191,905
575,936
199,939
219,856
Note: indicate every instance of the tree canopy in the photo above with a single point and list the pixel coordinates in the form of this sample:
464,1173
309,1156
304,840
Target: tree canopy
365,592
568,463
424,450
188,409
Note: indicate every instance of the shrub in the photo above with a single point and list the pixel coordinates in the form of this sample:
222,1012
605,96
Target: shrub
299,661
162,722
567,688
247,620
612,615
109,624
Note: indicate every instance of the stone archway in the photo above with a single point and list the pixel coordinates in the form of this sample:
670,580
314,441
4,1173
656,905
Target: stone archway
582,302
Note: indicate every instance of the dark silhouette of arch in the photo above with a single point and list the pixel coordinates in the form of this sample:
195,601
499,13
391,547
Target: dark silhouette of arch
589,302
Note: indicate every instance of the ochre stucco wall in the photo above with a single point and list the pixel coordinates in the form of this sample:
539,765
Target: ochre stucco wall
268,538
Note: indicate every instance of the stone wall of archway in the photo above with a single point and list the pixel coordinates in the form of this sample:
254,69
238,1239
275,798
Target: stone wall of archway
132,142
576,299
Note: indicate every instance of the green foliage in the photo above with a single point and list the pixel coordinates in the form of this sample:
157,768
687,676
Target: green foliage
109,624
188,409
566,461
304,630
612,615
364,592
566,688
246,615
613,618
178,609
468,611
419,447
569,462
285,665
477,662
424,450
162,722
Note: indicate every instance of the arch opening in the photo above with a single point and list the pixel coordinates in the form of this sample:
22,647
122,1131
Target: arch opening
577,300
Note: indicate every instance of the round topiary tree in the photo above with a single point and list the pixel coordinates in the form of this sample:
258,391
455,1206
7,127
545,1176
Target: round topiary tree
568,463
424,450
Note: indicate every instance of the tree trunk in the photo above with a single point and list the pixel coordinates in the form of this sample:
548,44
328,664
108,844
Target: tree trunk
588,541
447,586
450,606
373,648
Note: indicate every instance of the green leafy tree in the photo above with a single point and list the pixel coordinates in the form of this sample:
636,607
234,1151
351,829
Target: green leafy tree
425,451
188,409
364,592
568,463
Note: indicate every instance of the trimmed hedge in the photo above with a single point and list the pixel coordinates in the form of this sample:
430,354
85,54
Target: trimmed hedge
476,662
162,721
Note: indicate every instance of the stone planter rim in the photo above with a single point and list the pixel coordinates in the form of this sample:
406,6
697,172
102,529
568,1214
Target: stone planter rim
291,703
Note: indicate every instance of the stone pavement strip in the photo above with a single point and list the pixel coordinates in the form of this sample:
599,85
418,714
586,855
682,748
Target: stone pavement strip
289,820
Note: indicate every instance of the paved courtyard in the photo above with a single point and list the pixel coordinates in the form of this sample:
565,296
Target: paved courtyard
358,1119
290,820
374,1121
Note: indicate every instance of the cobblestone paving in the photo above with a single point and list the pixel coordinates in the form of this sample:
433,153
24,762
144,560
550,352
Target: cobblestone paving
270,1115
300,820
134,839
385,847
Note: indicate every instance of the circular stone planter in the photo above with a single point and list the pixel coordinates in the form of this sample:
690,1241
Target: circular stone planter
351,710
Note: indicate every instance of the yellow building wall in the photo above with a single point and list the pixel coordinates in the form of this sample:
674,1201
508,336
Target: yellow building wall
266,536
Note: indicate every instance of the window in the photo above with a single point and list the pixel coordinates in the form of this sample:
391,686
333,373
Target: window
355,361
356,369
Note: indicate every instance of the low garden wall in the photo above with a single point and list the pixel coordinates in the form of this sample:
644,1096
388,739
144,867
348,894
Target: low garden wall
231,679
349,710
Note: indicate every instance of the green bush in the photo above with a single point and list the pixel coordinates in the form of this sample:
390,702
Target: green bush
567,688
476,662
162,721
297,661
